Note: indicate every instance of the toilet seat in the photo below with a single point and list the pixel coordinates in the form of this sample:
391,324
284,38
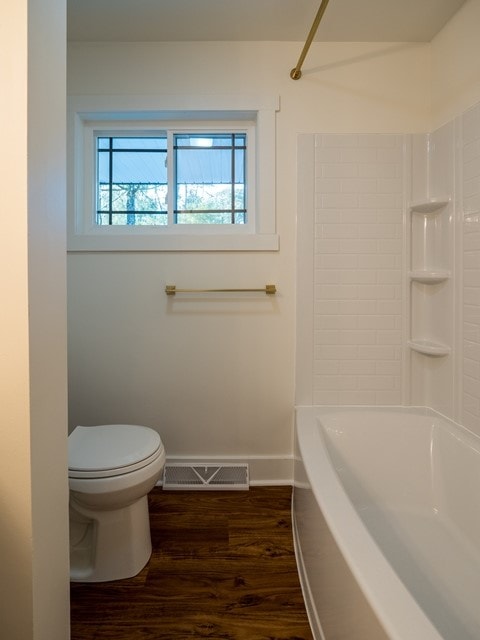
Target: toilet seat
111,450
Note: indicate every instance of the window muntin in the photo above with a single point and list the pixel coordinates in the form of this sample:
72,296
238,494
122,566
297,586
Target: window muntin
208,182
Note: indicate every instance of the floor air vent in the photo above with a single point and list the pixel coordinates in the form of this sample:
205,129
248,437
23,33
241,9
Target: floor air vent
205,476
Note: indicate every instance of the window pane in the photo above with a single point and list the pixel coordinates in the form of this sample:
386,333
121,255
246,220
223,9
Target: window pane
103,167
209,171
137,197
142,167
103,143
240,218
239,196
140,219
204,218
239,166
204,166
144,143
131,180
210,178
200,197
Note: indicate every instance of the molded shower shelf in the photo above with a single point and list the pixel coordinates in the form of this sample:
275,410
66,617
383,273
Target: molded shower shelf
430,277
431,205
429,348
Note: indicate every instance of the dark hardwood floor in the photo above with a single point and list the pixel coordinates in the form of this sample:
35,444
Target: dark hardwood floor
222,567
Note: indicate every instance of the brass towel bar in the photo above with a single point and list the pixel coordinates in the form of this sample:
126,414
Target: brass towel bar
171,290
296,73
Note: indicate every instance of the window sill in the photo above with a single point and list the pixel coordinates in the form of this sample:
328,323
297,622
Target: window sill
180,242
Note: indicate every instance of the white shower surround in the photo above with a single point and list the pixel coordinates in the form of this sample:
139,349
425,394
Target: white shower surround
356,266
354,253
470,203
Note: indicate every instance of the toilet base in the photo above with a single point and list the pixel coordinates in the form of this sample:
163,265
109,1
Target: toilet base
108,545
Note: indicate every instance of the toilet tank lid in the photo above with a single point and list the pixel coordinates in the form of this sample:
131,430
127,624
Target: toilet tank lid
110,446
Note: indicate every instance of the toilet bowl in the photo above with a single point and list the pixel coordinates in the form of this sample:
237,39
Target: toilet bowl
111,470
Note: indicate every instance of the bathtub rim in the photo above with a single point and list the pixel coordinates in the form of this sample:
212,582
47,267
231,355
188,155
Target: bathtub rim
396,609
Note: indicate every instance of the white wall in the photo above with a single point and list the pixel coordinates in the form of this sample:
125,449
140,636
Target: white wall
455,78
218,378
33,477
455,94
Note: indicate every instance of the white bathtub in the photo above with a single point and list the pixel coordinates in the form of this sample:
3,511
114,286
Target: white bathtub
386,509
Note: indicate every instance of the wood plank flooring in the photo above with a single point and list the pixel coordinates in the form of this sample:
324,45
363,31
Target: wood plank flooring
222,567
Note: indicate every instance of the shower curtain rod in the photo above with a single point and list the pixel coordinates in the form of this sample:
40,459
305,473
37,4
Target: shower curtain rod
296,73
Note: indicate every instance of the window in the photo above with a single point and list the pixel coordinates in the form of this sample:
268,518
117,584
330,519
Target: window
175,179
210,178
208,181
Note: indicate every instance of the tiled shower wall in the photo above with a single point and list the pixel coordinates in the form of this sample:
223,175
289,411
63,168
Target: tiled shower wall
471,267
359,193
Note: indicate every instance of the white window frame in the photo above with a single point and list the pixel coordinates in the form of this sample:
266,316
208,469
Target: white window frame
94,130
88,115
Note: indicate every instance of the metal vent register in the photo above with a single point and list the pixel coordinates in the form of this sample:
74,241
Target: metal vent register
205,476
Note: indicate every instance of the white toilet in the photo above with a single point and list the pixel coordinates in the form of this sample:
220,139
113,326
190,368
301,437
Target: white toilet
111,470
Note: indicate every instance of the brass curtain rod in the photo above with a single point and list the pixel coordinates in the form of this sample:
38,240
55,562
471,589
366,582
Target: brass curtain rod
296,73
171,290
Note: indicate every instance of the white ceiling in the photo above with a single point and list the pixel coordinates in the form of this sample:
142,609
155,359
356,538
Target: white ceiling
184,20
